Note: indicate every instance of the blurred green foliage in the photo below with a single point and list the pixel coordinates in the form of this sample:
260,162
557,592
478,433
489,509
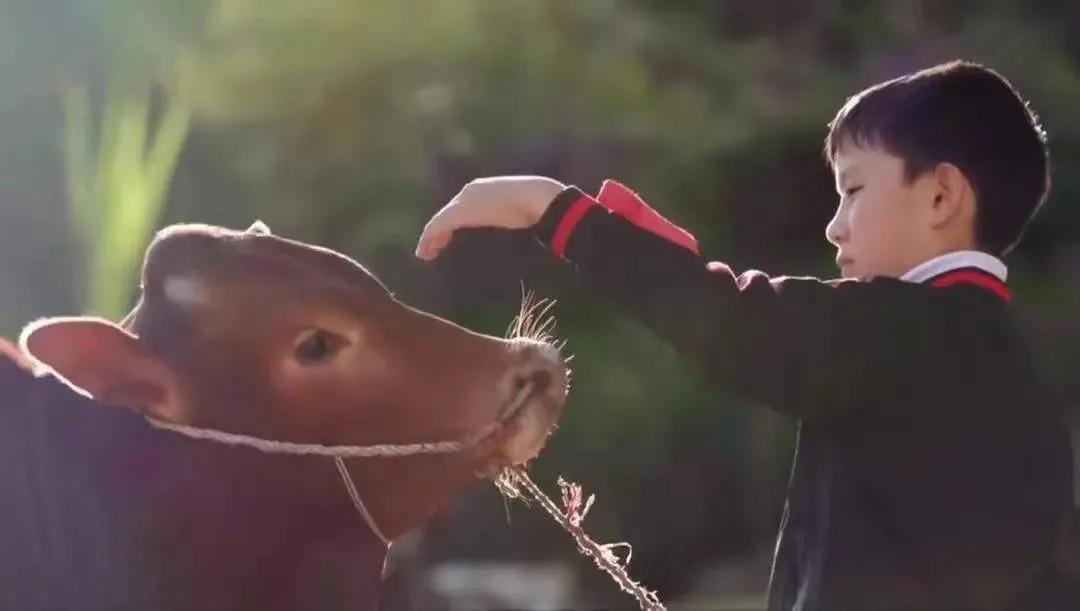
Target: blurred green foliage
116,191
349,122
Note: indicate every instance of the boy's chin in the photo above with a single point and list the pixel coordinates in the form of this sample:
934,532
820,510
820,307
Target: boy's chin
849,271
855,272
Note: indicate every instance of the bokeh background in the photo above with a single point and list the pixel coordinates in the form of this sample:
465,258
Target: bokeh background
348,122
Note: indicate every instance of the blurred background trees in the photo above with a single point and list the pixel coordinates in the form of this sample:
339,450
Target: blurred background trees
348,122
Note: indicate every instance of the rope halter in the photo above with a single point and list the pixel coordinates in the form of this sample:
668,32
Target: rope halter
340,452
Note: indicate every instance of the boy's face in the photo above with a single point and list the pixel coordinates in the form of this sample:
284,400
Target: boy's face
881,226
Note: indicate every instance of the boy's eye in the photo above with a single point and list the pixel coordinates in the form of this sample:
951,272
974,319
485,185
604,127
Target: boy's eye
851,191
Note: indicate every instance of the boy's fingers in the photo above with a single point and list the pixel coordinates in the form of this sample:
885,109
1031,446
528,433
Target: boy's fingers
432,245
436,235
422,245
425,248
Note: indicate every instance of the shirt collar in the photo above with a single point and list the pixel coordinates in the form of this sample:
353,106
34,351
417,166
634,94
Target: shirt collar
928,270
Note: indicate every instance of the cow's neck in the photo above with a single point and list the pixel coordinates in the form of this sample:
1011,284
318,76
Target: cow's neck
409,489
284,523
142,518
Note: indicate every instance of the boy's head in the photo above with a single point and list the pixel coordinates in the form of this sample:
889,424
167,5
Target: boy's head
948,158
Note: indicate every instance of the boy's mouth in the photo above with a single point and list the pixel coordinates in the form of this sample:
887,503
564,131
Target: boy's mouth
843,262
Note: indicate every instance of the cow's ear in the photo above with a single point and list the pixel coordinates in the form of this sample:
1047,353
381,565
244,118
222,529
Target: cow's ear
10,352
105,361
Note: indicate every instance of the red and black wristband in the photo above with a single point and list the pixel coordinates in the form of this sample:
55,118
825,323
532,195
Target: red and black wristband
561,218
568,213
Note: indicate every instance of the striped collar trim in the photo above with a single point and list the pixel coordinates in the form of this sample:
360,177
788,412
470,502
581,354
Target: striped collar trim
961,259
963,267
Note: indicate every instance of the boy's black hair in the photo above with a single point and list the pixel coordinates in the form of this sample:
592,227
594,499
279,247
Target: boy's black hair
965,114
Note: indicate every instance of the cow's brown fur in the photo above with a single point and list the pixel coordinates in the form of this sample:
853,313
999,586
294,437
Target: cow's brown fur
222,338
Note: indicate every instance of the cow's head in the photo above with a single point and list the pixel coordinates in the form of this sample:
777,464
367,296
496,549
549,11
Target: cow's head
251,333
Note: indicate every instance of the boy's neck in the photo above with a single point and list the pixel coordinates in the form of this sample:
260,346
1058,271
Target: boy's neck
957,259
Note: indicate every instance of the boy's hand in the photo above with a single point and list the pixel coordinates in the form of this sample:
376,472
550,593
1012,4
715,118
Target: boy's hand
509,202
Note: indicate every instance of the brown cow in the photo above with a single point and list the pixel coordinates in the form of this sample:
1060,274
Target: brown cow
249,333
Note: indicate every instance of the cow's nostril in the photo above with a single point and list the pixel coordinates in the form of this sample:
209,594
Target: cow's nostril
531,381
540,370
540,380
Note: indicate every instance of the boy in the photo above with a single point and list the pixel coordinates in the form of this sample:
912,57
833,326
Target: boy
931,469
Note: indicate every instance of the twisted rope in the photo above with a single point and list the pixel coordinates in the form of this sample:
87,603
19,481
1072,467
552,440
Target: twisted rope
358,502
270,446
527,324
570,519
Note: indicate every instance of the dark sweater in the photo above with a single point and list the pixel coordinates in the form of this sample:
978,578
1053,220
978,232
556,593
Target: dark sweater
931,470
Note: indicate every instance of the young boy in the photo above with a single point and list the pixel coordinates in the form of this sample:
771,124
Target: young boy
931,469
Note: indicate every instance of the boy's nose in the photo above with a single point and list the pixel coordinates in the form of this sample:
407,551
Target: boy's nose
836,232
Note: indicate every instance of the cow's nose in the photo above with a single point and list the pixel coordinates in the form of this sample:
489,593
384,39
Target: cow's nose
539,369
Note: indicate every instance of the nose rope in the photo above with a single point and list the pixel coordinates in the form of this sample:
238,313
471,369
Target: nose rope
340,452
358,503
271,446
601,554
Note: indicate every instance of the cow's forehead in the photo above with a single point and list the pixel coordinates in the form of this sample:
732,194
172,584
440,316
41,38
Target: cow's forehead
182,256
205,283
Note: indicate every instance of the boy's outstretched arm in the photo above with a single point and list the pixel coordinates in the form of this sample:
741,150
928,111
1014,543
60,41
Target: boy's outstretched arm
769,338
784,341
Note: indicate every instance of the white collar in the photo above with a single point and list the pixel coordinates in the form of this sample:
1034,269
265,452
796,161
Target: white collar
957,260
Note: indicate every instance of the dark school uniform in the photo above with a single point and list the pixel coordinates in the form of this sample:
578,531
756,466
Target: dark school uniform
932,470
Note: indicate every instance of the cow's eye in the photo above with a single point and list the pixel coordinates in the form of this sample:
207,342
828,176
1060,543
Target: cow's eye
315,346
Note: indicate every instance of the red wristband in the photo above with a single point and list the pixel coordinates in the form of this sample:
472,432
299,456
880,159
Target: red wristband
569,221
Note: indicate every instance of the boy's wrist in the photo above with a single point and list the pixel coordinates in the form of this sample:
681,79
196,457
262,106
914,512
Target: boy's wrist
544,192
548,225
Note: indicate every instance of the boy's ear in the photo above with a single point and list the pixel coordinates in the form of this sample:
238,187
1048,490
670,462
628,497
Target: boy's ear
953,194
104,361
